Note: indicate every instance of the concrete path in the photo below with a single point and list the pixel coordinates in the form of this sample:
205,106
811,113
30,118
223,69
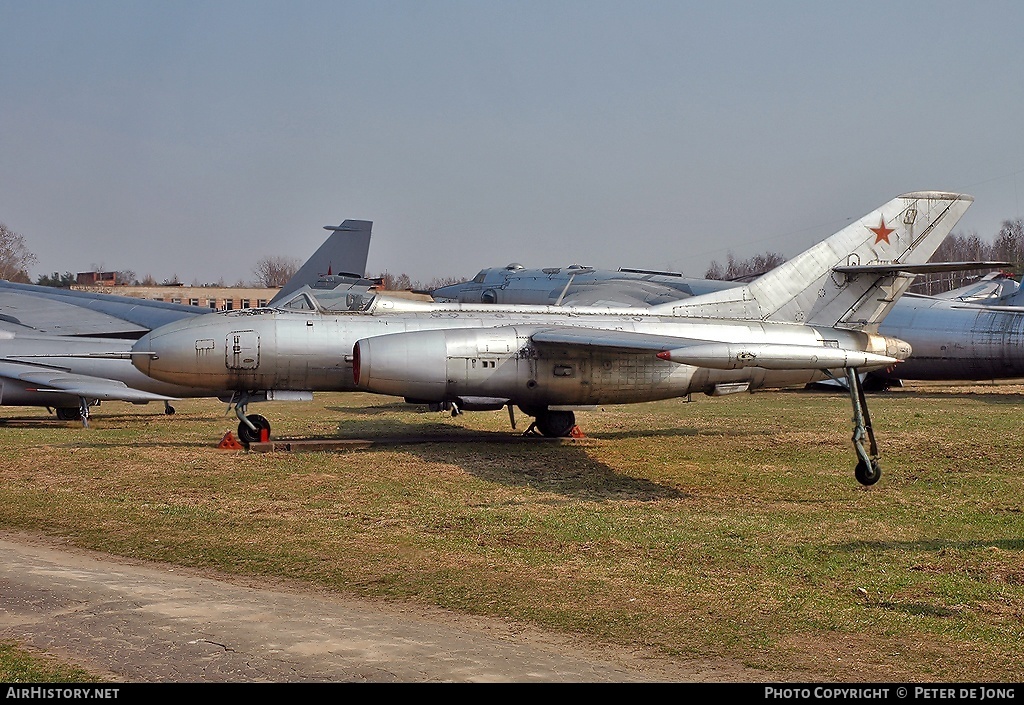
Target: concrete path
140,623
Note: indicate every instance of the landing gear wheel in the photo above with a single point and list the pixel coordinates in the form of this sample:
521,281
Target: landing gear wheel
69,413
247,435
168,409
868,473
556,424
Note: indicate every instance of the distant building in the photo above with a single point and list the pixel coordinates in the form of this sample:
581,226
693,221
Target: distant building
96,279
219,298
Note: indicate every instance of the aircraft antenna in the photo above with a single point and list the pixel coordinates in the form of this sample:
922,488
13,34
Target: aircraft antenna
561,296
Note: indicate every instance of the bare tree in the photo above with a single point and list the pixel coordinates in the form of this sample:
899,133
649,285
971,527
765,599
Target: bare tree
1009,244
275,271
740,270
15,259
438,282
1008,247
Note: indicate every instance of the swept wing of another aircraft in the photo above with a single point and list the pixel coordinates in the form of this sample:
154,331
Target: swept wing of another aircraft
995,289
814,317
59,348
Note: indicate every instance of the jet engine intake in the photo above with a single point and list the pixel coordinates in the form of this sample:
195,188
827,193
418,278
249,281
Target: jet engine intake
438,365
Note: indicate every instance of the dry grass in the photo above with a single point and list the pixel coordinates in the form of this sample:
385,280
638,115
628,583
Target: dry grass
728,527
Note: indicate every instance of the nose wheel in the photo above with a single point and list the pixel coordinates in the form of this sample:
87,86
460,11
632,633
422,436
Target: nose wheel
253,429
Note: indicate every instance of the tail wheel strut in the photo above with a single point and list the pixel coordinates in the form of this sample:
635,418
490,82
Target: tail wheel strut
868,470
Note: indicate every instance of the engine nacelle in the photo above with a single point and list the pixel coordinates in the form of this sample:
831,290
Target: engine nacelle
439,365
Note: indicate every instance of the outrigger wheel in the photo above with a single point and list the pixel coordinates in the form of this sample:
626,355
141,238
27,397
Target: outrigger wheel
248,435
867,473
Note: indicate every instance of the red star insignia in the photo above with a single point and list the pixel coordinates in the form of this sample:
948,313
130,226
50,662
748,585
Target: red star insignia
881,232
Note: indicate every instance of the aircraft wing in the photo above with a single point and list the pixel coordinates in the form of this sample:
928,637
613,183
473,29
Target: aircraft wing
712,353
46,309
48,379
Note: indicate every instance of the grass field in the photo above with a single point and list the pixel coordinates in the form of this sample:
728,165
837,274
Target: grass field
718,528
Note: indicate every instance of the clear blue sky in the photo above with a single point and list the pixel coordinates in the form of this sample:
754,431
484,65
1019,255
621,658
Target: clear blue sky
194,138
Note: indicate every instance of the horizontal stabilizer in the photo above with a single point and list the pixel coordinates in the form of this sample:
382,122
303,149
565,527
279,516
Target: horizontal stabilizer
773,356
924,268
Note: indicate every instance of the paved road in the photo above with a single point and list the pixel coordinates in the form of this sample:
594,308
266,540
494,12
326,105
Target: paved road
151,624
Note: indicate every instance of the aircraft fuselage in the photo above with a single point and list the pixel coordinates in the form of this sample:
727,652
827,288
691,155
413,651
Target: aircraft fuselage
953,341
463,352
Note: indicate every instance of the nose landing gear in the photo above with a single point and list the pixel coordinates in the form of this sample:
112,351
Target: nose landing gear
252,428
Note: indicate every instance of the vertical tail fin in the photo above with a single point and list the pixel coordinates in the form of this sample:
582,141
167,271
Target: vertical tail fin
344,252
850,280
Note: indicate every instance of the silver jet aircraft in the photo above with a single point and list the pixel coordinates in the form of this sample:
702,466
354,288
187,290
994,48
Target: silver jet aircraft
813,317
69,350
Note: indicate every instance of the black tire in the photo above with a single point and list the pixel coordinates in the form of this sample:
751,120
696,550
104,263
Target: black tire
69,413
169,410
247,435
868,474
556,424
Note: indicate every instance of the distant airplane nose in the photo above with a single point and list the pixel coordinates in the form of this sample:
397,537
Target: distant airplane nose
143,361
164,354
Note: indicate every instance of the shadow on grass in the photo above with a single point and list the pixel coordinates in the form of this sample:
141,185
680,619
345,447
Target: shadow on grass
915,609
564,470
930,545
996,398
959,393
53,421
508,457
681,432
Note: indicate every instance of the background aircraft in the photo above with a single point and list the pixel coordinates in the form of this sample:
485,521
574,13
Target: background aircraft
58,347
975,332
813,317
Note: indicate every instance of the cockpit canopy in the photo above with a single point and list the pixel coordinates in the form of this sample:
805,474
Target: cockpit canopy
330,300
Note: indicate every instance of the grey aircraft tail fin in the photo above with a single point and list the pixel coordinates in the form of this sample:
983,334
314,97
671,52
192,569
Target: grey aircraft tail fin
851,279
343,253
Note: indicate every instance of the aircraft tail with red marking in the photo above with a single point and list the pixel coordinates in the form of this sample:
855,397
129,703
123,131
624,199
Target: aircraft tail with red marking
853,278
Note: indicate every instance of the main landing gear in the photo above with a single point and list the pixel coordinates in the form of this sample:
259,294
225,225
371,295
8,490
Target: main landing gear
868,470
71,413
553,423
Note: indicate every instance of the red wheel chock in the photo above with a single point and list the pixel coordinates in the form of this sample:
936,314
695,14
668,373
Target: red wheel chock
229,442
